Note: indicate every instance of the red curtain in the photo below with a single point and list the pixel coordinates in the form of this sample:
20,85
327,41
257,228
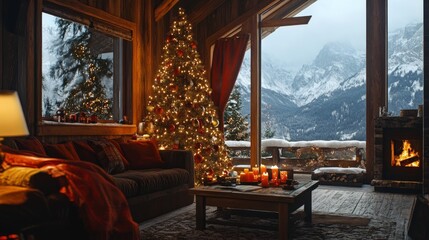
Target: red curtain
227,58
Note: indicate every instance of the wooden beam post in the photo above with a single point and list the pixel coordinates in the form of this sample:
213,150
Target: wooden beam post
426,97
376,72
255,91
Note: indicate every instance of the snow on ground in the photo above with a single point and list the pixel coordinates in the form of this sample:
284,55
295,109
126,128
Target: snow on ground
315,143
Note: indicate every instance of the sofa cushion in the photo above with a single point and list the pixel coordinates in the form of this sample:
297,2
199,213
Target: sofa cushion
62,151
142,155
85,152
152,180
116,142
31,144
129,187
111,160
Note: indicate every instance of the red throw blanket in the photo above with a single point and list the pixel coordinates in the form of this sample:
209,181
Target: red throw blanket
103,208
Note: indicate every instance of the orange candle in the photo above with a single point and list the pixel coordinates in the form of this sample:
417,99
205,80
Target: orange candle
243,177
255,173
283,176
250,177
274,172
255,170
264,180
263,168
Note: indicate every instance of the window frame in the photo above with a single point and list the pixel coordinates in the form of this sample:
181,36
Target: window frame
113,26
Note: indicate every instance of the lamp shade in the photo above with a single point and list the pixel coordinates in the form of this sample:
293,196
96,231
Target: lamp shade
12,121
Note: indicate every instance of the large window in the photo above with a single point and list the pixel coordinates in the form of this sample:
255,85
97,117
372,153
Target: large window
405,55
86,66
78,70
313,75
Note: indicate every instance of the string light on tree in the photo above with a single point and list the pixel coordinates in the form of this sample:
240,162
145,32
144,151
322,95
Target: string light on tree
181,110
81,72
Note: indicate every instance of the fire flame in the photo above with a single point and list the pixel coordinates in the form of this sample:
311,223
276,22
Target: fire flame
407,153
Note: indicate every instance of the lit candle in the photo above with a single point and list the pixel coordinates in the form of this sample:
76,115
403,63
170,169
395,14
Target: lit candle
283,176
263,168
274,172
255,170
255,173
264,180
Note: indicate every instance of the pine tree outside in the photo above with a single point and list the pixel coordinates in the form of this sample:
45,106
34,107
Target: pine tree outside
77,70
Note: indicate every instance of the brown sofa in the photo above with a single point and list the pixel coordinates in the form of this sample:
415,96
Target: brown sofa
151,189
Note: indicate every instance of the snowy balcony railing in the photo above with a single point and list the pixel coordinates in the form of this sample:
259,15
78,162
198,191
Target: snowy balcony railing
302,156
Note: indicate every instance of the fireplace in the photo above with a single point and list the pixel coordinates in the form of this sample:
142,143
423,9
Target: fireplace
402,154
398,159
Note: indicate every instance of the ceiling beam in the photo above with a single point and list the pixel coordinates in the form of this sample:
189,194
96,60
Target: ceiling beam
204,9
286,9
163,8
286,21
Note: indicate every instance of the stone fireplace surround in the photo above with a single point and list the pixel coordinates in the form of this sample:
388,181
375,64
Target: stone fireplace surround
382,126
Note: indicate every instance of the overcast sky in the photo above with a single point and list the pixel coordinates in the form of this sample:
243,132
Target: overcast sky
333,20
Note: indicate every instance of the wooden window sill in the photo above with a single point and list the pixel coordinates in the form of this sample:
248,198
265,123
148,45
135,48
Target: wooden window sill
48,128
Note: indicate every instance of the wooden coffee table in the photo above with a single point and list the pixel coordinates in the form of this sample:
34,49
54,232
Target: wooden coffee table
273,199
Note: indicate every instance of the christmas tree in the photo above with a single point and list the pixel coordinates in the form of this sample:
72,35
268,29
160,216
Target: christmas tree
181,111
81,73
236,125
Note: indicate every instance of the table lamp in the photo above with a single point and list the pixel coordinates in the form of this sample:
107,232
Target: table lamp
12,120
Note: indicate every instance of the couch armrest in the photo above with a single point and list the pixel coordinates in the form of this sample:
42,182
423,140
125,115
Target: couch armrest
179,159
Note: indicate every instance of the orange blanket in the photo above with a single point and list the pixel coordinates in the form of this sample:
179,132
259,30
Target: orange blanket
103,208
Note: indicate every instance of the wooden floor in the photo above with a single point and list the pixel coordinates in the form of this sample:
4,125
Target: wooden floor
357,201
365,202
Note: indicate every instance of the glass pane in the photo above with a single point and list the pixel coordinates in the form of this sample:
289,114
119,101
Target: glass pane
237,116
313,76
77,71
405,55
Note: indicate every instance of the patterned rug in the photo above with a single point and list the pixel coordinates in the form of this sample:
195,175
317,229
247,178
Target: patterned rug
181,225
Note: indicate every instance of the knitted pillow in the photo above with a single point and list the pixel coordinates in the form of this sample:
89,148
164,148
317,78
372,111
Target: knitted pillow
111,160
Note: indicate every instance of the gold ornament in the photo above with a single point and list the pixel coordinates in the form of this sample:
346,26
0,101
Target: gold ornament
150,108
215,122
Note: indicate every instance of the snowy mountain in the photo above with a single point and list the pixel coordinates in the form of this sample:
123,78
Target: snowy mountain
327,98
